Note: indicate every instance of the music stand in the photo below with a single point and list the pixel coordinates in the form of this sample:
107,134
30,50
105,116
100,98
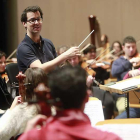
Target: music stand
123,87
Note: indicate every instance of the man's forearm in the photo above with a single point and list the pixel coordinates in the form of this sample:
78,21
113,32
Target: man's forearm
50,65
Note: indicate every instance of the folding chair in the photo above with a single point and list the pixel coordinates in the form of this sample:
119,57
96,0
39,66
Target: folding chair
12,72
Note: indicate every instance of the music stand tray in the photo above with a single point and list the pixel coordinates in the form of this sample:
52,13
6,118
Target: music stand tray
123,87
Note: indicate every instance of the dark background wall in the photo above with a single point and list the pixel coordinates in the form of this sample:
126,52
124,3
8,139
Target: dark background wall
3,26
66,21
8,26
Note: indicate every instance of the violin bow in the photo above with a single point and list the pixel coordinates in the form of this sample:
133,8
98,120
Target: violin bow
85,47
99,59
11,54
86,38
102,53
105,56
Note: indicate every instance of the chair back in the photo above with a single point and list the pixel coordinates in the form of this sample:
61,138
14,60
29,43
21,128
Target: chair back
12,71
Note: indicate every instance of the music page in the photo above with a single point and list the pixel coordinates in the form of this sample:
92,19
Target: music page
94,111
125,131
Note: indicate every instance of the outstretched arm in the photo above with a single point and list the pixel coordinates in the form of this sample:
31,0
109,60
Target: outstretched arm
50,65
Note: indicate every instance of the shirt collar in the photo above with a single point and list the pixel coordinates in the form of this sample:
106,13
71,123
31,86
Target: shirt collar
31,41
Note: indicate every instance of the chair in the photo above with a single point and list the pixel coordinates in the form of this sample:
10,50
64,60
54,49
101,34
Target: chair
12,72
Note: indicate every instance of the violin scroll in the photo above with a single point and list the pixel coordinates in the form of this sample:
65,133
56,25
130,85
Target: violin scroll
22,90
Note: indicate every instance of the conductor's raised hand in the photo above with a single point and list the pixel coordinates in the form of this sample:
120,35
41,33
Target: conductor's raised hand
72,52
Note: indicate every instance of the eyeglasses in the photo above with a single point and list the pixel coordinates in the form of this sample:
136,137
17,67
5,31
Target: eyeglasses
33,20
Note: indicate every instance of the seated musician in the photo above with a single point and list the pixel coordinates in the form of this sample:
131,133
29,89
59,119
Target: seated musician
101,73
2,63
5,97
117,46
104,96
104,45
14,120
124,64
78,61
70,123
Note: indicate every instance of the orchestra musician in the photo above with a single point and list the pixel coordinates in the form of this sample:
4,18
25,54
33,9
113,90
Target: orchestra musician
104,45
78,61
3,65
13,122
70,122
117,46
35,51
123,64
104,96
101,72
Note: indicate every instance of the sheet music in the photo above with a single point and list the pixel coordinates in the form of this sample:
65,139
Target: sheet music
94,111
125,131
126,84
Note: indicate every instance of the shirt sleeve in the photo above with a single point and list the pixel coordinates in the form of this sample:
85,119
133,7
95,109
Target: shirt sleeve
26,55
52,49
14,121
7,125
120,66
126,76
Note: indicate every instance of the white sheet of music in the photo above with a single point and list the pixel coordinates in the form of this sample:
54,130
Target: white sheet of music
126,84
125,131
94,111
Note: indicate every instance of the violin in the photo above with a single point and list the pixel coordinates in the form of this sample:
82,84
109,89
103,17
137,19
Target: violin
92,64
43,100
104,64
5,76
136,65
22,90
90,71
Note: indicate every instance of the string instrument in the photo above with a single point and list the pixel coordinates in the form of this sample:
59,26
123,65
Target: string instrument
101,40
5,76
22,90
137,64
13,60
94,25
44,100
115,56
94,63
90,71
104,65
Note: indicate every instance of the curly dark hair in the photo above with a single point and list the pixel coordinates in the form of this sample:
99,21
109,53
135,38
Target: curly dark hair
30,9
89,49
69,85
129,39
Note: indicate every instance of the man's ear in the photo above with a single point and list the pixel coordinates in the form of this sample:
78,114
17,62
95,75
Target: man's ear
24,24
87,95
